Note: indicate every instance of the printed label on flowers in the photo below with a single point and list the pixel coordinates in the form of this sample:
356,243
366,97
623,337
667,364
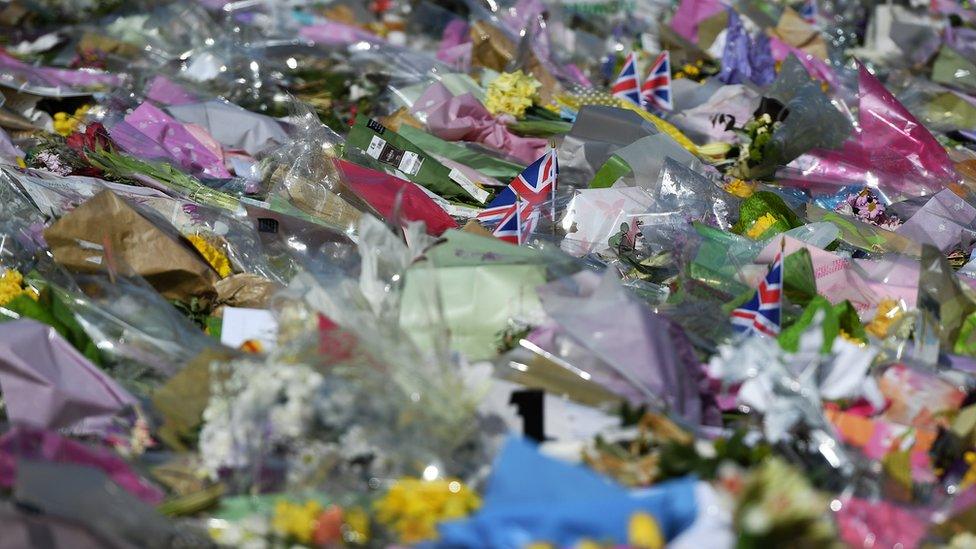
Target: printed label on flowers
405,161
477,192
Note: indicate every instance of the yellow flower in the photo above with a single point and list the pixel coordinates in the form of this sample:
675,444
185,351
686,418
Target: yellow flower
888,313
21,163
65,124
849,337
215,258
296,521
643,532
761,226
512,93
740,188
970,477
412,507
357,522
12,285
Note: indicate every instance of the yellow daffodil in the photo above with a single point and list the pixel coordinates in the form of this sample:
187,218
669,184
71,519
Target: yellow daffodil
357,524
512,93
215,258
740,188
412,507
296,521
761,226
12,285
66,124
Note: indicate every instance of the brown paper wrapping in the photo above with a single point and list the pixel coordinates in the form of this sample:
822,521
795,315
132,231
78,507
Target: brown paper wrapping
492,49
400,117
793,30
245,290
158,254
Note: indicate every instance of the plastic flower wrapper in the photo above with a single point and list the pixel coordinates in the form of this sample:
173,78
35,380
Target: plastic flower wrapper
777,505
941,294
631,343
787,388
644,166
481,282
303,175
85,495
57,388
941,109
51,81
862,235
892,151
804,105
599,131
943,221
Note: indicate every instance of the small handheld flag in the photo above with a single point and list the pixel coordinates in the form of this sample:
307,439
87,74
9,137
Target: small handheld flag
762,312
517,208
627,85
656,90
808,11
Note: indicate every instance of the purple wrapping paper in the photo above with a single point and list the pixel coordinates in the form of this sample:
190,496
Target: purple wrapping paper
164,91
944,221
46,383
149,133
735,56
464,118
645,348
23,443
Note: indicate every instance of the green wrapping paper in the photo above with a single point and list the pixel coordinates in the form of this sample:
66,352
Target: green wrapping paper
864,236
388,151
837,318
758,206
501,170
480,284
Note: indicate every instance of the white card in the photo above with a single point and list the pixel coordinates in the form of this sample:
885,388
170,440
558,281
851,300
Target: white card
242,324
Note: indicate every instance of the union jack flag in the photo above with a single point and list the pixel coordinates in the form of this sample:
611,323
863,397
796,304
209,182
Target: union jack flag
762,312
516,209
656,90
627,85
808,11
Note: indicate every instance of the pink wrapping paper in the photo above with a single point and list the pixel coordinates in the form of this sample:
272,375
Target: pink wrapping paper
835,276
22,443
464,118
864,523
177,140
51,76
892,150
690,14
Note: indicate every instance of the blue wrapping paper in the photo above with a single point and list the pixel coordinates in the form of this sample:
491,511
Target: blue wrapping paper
531,498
